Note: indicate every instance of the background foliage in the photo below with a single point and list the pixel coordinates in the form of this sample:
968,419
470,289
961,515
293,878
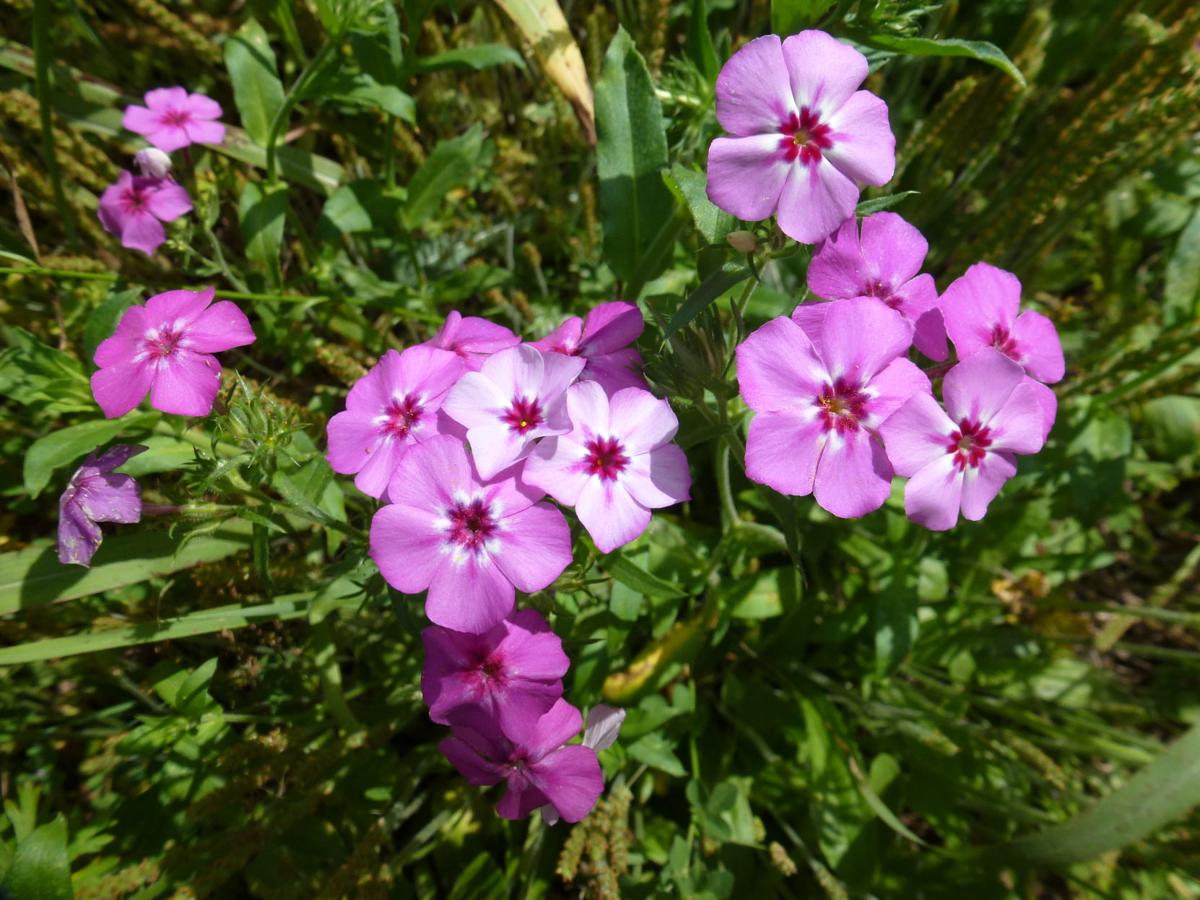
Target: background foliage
226,704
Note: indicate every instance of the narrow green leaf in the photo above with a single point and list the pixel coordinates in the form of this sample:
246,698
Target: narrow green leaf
1182,292
790,16
632,149
41,868
691,187
710,289
480,57
880,203
634,576
982,51
72,443
452,164
257,90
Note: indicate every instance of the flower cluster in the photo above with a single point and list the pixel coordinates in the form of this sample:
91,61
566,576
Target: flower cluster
136,206
462,438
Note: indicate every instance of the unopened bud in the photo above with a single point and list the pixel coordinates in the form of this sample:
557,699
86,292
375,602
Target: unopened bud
153,162
742,241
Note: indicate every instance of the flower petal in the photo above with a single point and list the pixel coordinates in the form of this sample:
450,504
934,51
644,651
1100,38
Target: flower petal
978,302
854,476
893,386
864,148
571,781
431,473
917,434
642,420
470,764
141,231
610,514
557,466
535,547
783,449
753,92
78,536
1020,424
977,388
222,326
476,400
746,175
896,248
933,495
861,336
120,388
186,384
470,594
379,465
406,545
1040,349
111,498
202,132
168,201
611,326
816,199
777,367
839,269
658,478
125,341
823,71
981,484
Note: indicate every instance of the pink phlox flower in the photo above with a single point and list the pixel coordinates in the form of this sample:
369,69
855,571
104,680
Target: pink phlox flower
471,543
884,263
96,494
515,398
603,340
134,208
615,465
802,136
532,756
819,398
601,731
390,409
165,347
959,458
173,119
982,310
472,338
513,671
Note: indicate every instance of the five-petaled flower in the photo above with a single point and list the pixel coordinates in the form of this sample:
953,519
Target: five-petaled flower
134,208
615,465
802,136
960,457
391,408
173,119
603,340
882,262
532,756
472,338
96,494
166,347
514,399
819,398
469,542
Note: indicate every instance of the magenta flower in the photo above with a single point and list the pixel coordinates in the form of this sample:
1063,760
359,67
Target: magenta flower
512,671
472,338
960,457
531,757
802,137
135,207
391,408
469,543
883,262
514,399
615,465
93,495
819,398
166,347
603,340
173,119
601,731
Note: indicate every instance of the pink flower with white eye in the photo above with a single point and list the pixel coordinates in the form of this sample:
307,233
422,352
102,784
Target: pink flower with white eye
960,457
166,347
983,309
515,398
819,398
134,208
603,340
532,756
882,262
472,338
391,408
469,542
96,494
615,465
173,119
802,136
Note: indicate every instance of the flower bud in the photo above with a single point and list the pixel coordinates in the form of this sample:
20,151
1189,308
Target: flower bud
153,162
742,241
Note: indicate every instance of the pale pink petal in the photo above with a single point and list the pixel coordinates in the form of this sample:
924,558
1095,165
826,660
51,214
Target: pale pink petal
839,270
603,726
571,781
782,451
1039,346
864,148
379,466
563,339
495,447
431,473
892,387
641,420
980,484
777,367
469,763
516,372
476,400
917,434
753,95
933,495
120,388
535,547
977,388
747,175
186,384
816,199
896,248
919,302
615,371
854,476
560,373
202,132
141,120
974,305
167,99
588,406
222,326
611,326
1047,400
860,336
824,72
811,318
168,202
406,545
468,595
610,514
557,466
658,478
168,138
1020,424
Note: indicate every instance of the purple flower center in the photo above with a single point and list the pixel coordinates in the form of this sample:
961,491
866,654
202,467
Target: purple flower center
841,406
969,444
403,415
805,136
471,524
162,342
1005,342
882,291
523,415
133,201
606,458
176,118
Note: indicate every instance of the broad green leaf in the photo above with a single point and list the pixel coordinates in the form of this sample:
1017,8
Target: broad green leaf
690,186
632,151
630,574
451,165
41,869
921,46
257,90
1173,423
262,210
755,596
880,203
710,290
1182,292
791,16
59,448
35,577
895,624
480,57
362,89
359,206
657,752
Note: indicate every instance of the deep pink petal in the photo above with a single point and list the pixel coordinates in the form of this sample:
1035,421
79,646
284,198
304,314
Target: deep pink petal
917,434
783,449
977,388
824,72
522,700
201,132
860,337
125,341
186,384
174,309
169,201
120,388
974,305
110,498
864,148
537,657
406,545
535,547
981,484
658,478
563,339
113,458
753,94
892,387
777,367
540,736
468,595
469,763
427,372
222,326
166,99
839,270
1039,346
747,175
375,474
895,248
142,231
611,326
854,476
571,781
933,495
816,199
641,420
610,514
615,371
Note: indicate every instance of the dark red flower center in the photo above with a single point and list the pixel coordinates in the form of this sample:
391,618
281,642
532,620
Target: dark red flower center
882,291
162,342
490,671
134,200
969,444
523,415
471,524
402,415
606,458
842,405
1005,342
176,118
805,136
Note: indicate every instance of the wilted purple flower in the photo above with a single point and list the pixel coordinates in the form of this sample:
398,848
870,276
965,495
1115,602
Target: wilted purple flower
530,755
135,207
172,119
513,671
96,494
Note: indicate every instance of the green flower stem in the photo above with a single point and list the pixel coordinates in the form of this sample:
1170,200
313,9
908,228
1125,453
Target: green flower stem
292,98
